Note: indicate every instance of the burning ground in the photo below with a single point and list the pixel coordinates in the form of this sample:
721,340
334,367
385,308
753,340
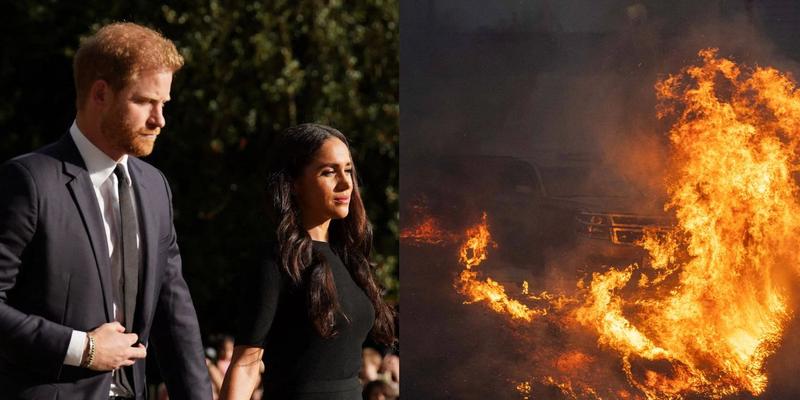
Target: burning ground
711,307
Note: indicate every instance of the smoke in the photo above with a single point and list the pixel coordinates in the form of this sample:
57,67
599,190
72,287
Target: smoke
539,95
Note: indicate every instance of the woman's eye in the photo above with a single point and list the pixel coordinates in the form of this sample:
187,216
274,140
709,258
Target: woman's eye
327,173
349,171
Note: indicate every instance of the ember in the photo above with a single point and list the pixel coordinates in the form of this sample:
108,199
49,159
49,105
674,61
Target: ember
428,231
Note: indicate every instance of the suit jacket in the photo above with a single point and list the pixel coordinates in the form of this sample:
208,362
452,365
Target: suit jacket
55,276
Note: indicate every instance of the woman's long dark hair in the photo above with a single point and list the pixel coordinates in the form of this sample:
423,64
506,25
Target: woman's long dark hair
350,238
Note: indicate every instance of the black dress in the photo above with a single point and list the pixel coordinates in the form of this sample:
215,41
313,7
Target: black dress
300,364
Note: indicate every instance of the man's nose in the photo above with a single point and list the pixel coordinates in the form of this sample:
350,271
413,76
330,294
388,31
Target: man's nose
157,117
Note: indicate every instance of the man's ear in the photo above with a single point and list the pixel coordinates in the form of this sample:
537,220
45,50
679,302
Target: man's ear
100,93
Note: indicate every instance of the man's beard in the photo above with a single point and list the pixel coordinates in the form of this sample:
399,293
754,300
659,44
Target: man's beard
124,137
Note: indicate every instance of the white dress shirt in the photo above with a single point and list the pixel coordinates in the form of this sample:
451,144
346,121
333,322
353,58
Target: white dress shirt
101,172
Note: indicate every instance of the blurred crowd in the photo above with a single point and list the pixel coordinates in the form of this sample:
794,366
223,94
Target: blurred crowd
379,375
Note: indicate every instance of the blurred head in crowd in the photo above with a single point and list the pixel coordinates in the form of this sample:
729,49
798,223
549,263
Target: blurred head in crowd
379,390
391,367
371,361
225,348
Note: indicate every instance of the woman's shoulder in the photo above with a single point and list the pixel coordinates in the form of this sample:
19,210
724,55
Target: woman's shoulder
270,251
270,257
265,262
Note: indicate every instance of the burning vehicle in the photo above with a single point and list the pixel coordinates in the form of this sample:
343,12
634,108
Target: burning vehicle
609,215
580,209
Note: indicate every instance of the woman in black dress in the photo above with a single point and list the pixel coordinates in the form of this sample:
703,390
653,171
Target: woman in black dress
308,309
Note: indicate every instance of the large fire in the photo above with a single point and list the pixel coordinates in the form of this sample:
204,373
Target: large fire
711,306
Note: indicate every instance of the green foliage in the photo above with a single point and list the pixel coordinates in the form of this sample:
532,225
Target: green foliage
252,69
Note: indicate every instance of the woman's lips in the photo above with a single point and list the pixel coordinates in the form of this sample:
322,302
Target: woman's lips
342,199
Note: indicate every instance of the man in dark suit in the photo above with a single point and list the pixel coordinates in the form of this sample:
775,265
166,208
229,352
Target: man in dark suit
90,273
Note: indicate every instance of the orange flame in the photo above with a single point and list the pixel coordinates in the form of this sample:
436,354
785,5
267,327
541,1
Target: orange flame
524,389
735,148
710,308
427,232
475,251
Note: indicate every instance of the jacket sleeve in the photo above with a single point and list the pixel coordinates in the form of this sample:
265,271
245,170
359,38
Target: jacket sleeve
175,334
29,340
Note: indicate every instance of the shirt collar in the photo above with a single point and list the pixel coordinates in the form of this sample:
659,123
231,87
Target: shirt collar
99,165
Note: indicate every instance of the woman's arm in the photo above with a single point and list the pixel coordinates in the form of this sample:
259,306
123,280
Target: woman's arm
243,373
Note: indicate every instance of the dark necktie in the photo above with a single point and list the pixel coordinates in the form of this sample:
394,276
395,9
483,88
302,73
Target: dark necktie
125,268
129,260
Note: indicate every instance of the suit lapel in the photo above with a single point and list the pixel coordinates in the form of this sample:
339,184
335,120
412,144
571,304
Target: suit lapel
148,237
82,191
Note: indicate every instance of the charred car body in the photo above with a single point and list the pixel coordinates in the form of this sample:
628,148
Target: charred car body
581,210
610,215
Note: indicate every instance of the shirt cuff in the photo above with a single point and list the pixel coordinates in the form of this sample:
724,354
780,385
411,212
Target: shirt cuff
77,344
